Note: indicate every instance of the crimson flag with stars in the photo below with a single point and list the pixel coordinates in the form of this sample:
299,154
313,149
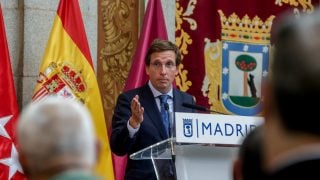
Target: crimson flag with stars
9,164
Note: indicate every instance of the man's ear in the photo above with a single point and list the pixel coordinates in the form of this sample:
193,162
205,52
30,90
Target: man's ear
147,70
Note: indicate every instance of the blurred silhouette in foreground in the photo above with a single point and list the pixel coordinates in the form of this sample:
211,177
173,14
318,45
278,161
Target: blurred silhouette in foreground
292,126
249,165
56,140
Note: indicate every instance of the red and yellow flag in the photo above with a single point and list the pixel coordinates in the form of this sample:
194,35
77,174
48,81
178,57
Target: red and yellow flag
66,70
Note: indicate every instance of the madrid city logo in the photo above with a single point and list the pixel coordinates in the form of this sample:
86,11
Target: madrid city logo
187,127
238,65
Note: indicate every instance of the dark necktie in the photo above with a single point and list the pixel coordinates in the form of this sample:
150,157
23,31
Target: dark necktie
164,112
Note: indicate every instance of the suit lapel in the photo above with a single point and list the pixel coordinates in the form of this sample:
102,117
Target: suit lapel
177,101
148,102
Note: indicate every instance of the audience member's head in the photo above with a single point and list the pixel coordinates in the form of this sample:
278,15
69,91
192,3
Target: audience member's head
248,165
55,135
292,90
295,79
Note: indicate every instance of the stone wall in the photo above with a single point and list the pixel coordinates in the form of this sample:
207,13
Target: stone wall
28,25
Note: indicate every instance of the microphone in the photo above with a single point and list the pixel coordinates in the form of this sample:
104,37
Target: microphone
200,108
194,106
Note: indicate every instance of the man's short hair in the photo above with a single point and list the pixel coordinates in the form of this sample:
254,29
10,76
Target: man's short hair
159,45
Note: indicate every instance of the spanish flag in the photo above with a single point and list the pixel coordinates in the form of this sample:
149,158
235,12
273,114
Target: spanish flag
66,70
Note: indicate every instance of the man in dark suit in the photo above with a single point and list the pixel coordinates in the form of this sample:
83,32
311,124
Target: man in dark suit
137,121
292,126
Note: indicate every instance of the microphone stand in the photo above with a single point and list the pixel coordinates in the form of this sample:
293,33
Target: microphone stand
171,136
200,108
171,129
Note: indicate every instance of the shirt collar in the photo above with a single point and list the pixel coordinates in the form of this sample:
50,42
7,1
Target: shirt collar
157,93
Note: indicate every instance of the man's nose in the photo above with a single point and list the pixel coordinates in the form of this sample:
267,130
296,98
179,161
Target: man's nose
163,69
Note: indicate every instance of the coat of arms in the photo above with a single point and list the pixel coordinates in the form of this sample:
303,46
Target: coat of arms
61,80
237,65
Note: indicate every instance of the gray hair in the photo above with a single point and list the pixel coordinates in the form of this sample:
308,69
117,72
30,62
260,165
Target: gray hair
56,132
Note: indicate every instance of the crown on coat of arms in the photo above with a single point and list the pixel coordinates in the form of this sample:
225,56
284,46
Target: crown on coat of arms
245,29
73,78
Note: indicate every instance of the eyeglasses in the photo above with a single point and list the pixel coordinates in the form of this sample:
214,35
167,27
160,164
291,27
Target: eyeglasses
158,65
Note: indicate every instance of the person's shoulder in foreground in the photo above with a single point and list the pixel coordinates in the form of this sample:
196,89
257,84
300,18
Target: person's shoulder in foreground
249,163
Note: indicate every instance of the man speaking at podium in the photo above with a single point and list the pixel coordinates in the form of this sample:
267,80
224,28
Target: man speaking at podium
141,116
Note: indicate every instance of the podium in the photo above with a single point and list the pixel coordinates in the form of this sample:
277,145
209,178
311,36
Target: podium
203,146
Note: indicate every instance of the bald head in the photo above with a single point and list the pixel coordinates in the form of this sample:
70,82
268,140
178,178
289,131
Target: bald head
56,133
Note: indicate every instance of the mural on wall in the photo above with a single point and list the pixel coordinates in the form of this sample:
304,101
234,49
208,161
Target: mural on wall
226,50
